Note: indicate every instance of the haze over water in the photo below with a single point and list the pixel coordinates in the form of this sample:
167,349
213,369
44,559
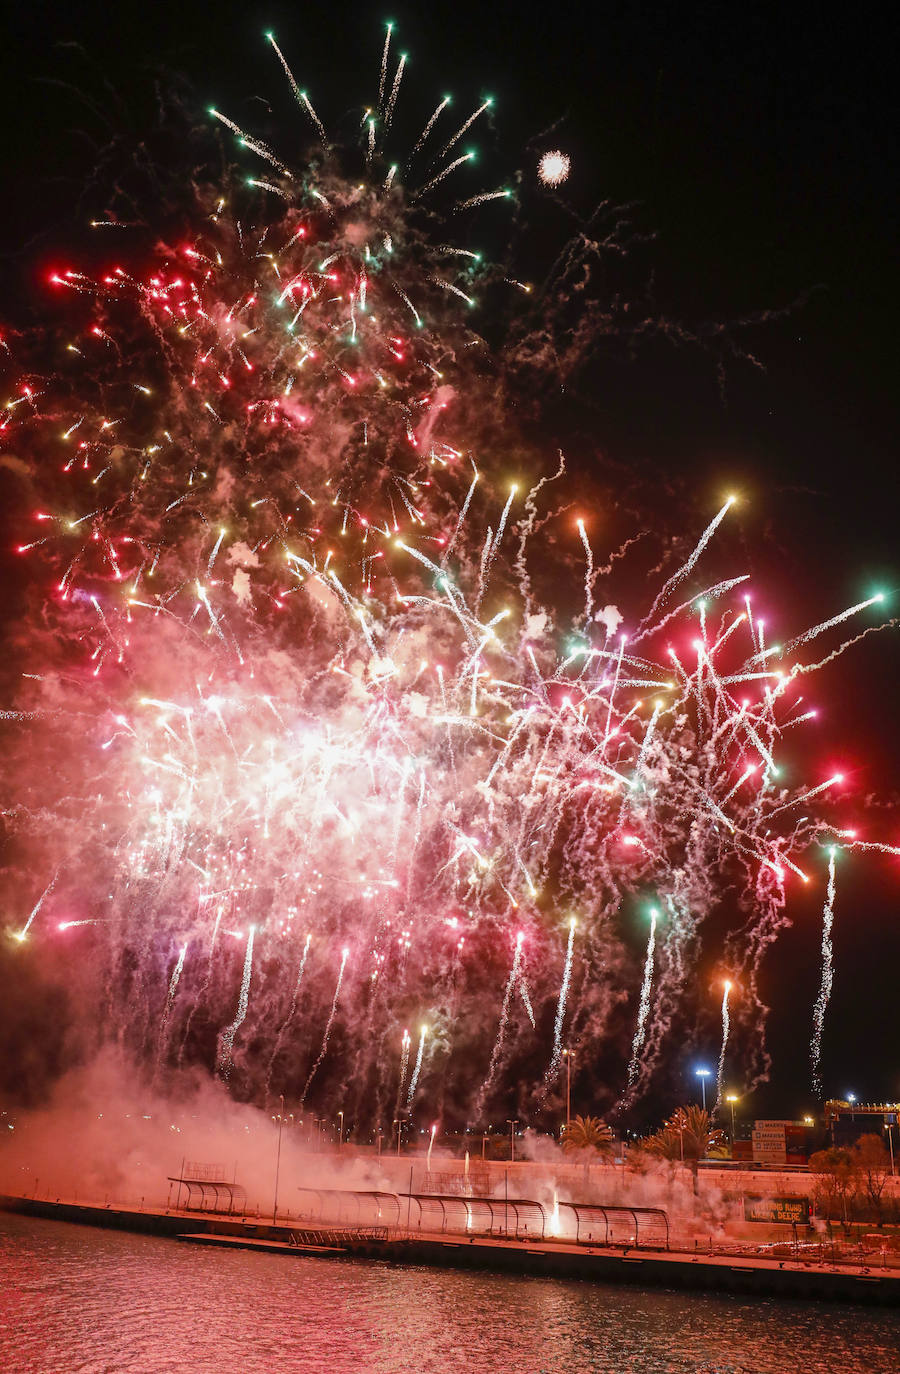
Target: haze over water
74,1300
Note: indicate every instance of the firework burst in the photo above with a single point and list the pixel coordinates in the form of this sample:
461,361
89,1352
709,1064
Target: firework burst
299,695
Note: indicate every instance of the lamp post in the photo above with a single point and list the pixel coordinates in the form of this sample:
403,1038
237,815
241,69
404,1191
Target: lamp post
703,1074
512,1139
340,1129
398,1122
567,1056
278,1159
731,1098
889,1127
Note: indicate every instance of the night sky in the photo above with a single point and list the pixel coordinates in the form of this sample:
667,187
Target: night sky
759,147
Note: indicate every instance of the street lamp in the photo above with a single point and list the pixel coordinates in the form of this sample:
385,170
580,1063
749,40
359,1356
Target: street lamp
278,1159
889,1127
703,1074
568,1055
512,1139
731,1098
398,1122
340,1129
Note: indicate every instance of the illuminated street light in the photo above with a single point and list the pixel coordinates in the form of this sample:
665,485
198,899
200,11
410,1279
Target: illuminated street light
703,1074
512,1139
567,1056
278,1159
731,1098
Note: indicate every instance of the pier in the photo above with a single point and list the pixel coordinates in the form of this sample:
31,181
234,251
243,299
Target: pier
645,1262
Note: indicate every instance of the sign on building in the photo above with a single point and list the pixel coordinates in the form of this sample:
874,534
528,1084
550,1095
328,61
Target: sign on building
781,1210
769,1142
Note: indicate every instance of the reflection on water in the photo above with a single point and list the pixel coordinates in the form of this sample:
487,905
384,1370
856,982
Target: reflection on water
79,1301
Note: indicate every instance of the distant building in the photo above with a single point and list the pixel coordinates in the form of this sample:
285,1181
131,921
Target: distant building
845,1122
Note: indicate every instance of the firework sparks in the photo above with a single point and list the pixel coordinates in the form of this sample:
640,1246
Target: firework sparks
226,1039
559,1019
726,1029
328,1025
644,1004
827,979
414,1081
553,168
282,1029
404,1065
167,1011
501,1028
295,670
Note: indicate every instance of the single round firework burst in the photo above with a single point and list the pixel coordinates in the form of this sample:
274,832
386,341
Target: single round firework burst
307,745
553,168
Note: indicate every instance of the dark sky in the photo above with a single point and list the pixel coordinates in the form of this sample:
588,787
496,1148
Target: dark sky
760,145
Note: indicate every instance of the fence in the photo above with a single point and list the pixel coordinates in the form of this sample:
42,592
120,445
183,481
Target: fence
513,1218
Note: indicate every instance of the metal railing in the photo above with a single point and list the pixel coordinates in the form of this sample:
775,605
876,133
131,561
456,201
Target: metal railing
508,1218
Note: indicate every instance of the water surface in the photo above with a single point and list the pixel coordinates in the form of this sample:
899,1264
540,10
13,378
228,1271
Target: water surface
76,1300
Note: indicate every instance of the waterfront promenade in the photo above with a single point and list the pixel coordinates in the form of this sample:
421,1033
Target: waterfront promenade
866,1278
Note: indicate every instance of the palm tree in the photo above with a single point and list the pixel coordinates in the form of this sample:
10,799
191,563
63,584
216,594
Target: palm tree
688,1136
588,1133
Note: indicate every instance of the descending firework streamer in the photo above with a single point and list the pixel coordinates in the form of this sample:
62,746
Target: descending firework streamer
173,988
293,666
414,1081
644,1003
501,1028
827,980
560,1018
404,1065
329,1023
23,933
226,1039
291,1010
726,1027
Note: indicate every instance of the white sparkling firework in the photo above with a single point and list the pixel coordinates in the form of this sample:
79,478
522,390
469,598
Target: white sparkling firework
827,979
282,1029
226,1038
726,1028
167,1010
644,1003
501,1028
553,168
404,1065
560,1018
414,1081
330,1022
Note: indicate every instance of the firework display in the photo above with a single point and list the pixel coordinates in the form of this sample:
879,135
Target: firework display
554,168
317,738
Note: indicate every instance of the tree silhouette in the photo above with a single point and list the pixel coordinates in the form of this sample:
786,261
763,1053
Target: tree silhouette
872,1163
588,1133
688,1136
